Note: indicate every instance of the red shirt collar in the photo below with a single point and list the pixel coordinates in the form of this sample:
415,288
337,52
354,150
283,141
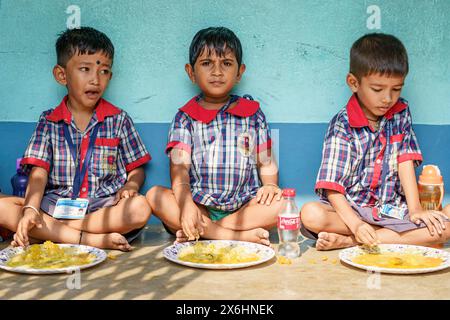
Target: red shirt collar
104,109
243,108
357,117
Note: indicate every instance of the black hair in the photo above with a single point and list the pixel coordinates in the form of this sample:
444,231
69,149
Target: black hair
85,40
378,53
219,39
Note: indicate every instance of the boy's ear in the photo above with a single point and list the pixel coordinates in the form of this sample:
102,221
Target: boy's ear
59,73
241,72
352,82
190,72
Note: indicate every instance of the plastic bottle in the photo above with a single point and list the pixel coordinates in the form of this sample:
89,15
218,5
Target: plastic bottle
288,226
431,188
19,181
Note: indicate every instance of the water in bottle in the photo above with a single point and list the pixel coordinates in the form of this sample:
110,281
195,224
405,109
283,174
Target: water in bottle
288,226
19,181
431,188
431,191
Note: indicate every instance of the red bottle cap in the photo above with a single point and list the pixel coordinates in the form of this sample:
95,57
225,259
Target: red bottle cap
288,192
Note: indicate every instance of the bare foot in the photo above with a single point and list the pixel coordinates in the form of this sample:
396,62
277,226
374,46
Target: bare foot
180,237
106,241
330,241
258,235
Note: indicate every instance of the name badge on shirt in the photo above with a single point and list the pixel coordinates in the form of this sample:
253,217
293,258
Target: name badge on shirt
245,144
67,208
391,211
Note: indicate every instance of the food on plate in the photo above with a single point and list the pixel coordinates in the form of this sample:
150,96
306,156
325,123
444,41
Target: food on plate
216,254
49,256
398,260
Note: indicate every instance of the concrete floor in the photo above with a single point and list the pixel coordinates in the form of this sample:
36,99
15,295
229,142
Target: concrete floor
145,274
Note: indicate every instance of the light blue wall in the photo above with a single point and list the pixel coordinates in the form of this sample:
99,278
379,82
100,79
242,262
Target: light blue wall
295,50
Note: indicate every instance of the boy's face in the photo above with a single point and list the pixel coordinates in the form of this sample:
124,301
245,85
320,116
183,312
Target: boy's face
376,93
215,75
86,77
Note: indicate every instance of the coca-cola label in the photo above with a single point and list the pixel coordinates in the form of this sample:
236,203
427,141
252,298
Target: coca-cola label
288,223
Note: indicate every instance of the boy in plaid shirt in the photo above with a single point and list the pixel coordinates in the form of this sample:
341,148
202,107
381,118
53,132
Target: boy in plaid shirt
84,148
220,152
366,181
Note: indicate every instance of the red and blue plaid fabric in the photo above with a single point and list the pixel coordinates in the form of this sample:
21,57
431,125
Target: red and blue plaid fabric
353,156
223,145
118,149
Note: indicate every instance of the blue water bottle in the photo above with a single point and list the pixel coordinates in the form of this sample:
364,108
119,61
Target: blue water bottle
19,181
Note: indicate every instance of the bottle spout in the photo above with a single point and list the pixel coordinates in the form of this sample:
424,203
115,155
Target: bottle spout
430,175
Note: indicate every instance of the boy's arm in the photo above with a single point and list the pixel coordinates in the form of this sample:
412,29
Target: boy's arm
364,232
268,173
135,180
191,219
31,215
407,177
434,220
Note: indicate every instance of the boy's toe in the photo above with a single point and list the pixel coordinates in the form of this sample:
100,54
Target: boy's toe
323,236
263,234
180,234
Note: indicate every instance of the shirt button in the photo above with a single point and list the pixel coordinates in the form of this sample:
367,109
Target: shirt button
378,161
83,189
85,137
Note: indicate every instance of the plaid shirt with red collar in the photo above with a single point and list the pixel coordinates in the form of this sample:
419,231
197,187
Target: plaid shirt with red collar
118,149
360,162
223,145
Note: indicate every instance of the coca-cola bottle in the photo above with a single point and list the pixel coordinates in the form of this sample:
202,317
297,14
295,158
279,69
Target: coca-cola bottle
288,226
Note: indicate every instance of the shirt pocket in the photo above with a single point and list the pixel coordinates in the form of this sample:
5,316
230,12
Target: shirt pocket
104,157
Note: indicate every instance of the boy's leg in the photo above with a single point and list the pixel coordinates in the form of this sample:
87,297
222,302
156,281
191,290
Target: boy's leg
420,237
318,217
446,211
253,215
128,214
164,206
53,230
5,202
334,234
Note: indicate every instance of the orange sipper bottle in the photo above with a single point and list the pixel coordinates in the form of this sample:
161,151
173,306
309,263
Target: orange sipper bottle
431,191
431,188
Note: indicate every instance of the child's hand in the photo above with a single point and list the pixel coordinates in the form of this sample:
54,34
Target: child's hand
266,194
434,220
126,192
192,221
366,234
29,220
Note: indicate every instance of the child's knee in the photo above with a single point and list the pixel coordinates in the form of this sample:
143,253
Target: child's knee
3,209
139,211
312,216
446,210
447,232
154,193
9,204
